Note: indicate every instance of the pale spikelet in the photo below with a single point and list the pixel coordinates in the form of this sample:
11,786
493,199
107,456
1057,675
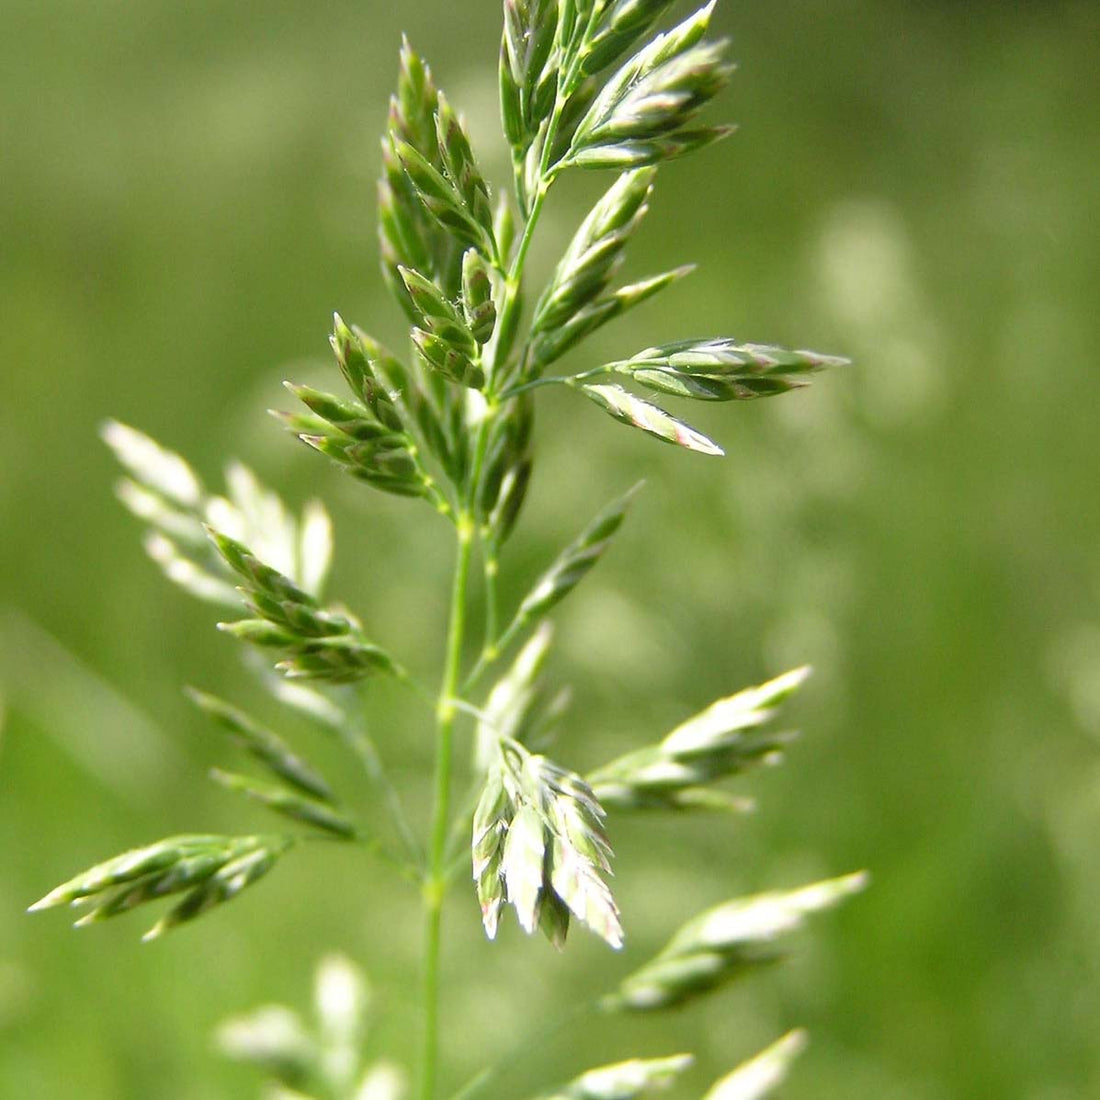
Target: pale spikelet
596,250
580,853
506,470
180,567
341,999
623,1080
407,232
402,400
575,561
551,345
522,865
461,168
314,642
528,75
306,701
723,370
509,711
272,1039
128,867
437,313
643,114
160,470
223,885
444,338
251,512
490,827
621,24
639,152
722,721
369,371
166,519
478,308
315,547
164,492
723,740
382,1081
365,436
385,462
350,419
319,1057
539,844
210,869
760,1075
629,409
727,942
443,356
443,200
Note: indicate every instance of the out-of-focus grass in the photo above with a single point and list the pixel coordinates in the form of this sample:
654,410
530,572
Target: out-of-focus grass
186,194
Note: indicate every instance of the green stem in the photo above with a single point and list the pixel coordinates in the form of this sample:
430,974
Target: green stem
557,380
541,189
436,879
434,883
408,871
535,383
493,652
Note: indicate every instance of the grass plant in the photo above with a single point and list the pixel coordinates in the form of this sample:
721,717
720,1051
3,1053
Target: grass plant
585,86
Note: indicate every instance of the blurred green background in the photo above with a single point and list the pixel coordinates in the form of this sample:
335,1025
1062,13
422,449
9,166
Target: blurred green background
186,193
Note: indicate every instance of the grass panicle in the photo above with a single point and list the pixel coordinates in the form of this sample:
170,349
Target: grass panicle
584,84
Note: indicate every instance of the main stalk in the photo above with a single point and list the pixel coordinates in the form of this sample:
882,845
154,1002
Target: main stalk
434,887
435,880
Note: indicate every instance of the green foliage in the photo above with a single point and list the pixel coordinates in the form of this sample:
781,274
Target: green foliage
453,426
